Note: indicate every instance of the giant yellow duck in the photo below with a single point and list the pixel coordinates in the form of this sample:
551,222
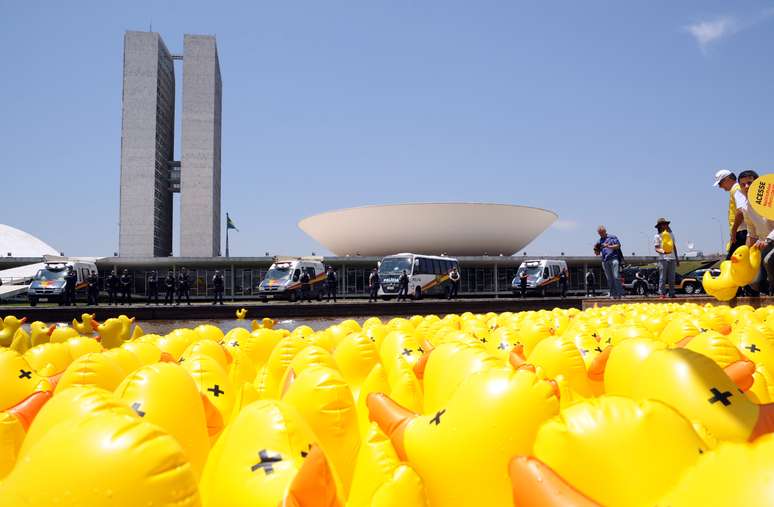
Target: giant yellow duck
10,324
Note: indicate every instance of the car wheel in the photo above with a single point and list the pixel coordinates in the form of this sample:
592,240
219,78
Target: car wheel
293,297
33,301
543,292
690,288
640,290
418,293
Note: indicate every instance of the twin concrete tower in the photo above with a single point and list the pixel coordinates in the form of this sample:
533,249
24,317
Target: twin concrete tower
149,173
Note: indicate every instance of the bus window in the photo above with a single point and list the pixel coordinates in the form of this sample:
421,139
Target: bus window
436,266
424,267
445,266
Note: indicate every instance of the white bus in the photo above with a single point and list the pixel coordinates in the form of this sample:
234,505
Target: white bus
428,274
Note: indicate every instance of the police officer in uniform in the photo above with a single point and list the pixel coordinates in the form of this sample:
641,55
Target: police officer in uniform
523,283
563,282
153,287
306,293
126,287
218,285
331,283
93,292
70,278
454,277
183,286
169,286
373,285
112,288
403,283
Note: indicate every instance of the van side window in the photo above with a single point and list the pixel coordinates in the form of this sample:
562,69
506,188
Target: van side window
296,274
555,270
310,272
545,273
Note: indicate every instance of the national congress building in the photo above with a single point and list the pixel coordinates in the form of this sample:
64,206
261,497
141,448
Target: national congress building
149,172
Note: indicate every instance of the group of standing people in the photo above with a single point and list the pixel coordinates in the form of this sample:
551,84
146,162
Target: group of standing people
748,227
172,285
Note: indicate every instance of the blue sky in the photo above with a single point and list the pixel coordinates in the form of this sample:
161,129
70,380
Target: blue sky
606,112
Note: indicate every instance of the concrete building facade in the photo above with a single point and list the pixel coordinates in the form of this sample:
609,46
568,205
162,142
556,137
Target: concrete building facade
200,162
149,172
147,147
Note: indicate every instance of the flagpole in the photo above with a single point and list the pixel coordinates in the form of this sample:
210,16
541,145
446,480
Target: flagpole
227,253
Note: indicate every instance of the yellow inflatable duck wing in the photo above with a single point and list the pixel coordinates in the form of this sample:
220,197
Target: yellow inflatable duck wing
324,400
265,323
722,288
96,369
732,474
380,479
75,403
105,460
84,327
61,334
592,444
462,443
21,341
745,265
148,391
11,437
10,325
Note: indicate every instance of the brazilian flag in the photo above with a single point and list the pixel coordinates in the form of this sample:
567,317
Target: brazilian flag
230,223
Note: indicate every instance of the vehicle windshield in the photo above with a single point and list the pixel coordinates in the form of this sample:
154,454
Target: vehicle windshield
50,274
532,272
278,273
395,266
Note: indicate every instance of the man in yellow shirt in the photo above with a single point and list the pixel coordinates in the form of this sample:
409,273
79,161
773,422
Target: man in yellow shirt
726,180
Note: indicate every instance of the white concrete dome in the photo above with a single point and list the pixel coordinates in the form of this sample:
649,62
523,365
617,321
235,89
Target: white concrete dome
21,244
467,229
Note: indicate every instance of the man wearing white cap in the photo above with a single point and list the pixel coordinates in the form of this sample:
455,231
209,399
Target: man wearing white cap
726,180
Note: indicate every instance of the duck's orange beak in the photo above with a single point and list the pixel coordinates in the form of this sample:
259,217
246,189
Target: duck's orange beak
313,485
391,418
598,365
29,407
23,320
516,357
95,325
51,329
534,484
166,357
212,416
741,372
419,367
682,343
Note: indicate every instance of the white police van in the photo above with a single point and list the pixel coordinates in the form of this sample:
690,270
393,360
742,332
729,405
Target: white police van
542,276
282,281
48,284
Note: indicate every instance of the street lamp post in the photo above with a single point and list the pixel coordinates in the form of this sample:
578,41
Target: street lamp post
720,226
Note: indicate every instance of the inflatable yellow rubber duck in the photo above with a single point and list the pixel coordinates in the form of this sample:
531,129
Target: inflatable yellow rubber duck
241,313
11,437
265,323
460,445
259,454
40,333
722,288
110,332
61,334
84,327
10,325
